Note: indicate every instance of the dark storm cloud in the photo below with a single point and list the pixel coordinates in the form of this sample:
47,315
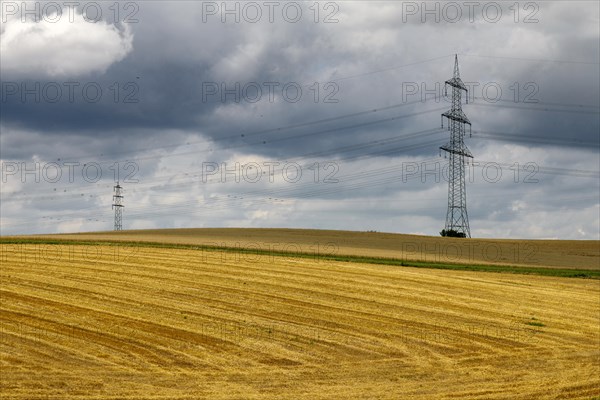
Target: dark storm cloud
162,83
369,60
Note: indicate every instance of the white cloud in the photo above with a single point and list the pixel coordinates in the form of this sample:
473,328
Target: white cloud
61,49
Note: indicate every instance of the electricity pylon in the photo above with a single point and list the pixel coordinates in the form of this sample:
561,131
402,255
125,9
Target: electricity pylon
118,207
457,219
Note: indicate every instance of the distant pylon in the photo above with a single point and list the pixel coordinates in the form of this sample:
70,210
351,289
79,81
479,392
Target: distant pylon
457,219
118,207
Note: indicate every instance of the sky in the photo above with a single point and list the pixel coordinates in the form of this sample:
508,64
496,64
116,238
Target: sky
302,114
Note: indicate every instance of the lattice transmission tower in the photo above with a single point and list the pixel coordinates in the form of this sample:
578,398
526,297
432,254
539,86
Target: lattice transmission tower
118,207
457,219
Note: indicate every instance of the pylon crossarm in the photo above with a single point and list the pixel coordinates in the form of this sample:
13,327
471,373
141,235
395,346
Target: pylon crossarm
457,115
457,83
465,153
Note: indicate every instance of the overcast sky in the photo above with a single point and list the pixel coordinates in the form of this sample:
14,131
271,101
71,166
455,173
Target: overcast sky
298,114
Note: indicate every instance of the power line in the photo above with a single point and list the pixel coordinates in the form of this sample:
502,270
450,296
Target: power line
533,59
531,108
308,190
255,133
524,106
386,142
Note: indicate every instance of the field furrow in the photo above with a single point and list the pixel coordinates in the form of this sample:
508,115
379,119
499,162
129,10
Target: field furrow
191,324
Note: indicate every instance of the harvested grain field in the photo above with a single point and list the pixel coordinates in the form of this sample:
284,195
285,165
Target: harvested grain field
128,322
576,254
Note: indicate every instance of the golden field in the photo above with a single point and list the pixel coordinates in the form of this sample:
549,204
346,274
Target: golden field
581,254
129,322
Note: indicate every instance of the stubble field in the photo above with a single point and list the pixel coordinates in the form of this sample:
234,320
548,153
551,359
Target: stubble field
568,254
108,321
